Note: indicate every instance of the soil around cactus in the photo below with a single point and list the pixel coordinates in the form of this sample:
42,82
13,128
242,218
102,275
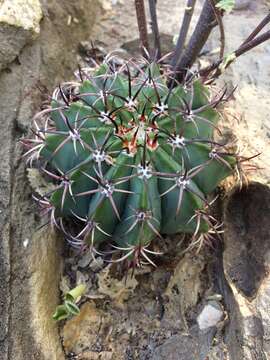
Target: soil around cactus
129,317
154,315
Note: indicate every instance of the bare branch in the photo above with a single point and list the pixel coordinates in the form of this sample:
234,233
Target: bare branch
205,24
142,25
221,28
253,43
155,30
183,33
258,29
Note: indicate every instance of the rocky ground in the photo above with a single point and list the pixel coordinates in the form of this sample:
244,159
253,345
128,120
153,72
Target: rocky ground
213,305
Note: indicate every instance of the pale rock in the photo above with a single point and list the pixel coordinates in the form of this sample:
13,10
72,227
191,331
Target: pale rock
19,24
178,347
97,264
85,260
242,4
30,276
210,316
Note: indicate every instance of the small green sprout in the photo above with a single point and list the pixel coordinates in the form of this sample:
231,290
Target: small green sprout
69,307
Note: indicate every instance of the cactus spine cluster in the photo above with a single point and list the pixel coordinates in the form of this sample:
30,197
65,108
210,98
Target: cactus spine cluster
131,157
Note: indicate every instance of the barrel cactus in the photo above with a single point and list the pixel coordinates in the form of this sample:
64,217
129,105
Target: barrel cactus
132,155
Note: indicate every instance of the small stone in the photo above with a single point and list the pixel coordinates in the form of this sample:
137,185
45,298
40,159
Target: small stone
85,260
97,264
25,243
69,20
178,347
93,355
81,278
217,297
210,316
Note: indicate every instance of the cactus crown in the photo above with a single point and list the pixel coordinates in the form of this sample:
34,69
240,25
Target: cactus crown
131,156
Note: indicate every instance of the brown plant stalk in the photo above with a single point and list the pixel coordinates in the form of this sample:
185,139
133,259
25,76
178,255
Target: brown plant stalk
218,15
183,33
155,29
142,24
207,21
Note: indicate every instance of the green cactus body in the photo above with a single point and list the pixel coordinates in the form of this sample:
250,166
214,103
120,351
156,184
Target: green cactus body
132,157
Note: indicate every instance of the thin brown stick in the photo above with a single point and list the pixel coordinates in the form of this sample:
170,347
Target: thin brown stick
253,43
142,24
205,24
183,32
221,28
155,29
258,29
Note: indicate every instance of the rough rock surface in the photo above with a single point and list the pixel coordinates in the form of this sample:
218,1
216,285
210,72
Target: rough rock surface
19,24
247,255
29,274
246,266
177,348
242,4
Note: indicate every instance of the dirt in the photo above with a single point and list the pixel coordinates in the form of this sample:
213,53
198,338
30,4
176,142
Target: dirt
131,317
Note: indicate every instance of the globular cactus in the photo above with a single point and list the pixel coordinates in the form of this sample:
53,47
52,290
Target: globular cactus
131,157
